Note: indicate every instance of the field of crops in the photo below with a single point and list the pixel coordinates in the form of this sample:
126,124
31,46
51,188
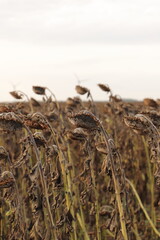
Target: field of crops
79,170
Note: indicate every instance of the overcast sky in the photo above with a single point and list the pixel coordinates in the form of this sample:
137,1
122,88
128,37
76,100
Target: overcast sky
54,43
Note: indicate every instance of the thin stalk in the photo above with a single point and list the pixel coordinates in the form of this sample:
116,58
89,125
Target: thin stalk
143,208
1,219
93,104
76,191
66,177
20,210
57,104
136,234
151,181
93,177
68,192
135,228
123,179
110,233
86,237
42,177
67,180
19,200
71,203
96,202
31,107
117,187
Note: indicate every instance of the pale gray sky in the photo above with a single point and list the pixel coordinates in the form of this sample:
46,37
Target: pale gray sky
47,42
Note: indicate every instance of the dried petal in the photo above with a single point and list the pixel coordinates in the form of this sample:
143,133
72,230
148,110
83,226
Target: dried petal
6,180
101,147
77,134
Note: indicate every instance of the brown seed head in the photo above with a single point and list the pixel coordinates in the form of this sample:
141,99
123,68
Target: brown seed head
35,122
77,100
85,119
104,88
16,95
150,103
9,122
35,103
70,102
39,90
154,116
137,124
116,98
52,117
81,90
